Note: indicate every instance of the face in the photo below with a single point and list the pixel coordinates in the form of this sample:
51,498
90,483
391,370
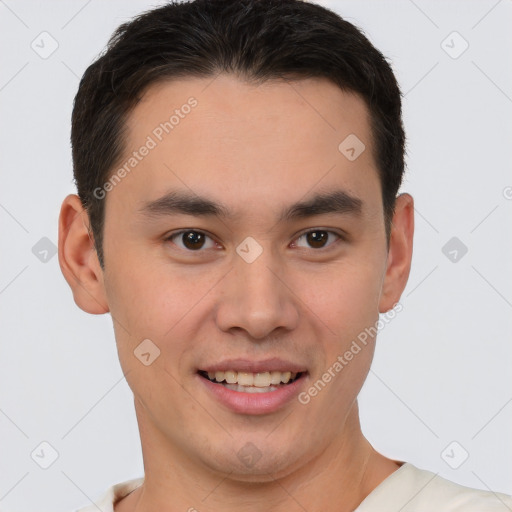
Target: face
245,245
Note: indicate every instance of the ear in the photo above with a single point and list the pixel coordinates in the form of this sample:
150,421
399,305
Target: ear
78,259
399,253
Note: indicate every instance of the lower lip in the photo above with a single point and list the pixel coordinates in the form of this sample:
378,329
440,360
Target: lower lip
254,403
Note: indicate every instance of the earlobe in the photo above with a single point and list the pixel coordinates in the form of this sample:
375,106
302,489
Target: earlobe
78,259
399,254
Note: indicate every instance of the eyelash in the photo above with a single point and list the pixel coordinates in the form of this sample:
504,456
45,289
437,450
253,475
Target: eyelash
303,234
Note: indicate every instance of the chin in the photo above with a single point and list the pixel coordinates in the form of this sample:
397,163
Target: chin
252,465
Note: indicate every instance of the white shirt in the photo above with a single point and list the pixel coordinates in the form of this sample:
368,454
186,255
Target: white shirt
408,489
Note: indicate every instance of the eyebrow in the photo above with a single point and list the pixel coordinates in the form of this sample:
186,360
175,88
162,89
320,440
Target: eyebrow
182,202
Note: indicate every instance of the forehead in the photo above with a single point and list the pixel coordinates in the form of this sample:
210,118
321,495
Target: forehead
257,143
258,109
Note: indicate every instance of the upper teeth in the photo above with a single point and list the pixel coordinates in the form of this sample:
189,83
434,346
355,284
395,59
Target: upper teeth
260,380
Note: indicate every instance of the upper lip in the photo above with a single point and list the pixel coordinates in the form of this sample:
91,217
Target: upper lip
274,364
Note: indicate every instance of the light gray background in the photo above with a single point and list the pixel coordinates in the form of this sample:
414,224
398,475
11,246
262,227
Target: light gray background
442,367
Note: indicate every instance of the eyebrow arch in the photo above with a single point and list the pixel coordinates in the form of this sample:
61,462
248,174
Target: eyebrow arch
182,202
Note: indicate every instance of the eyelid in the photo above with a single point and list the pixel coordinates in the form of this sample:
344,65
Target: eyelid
341,235
170,236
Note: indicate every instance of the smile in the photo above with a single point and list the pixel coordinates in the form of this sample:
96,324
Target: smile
248,382
253,392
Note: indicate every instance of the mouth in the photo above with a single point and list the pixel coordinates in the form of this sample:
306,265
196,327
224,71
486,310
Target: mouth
249,382
253,387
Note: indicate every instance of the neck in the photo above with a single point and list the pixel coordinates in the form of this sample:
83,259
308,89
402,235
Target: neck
337,479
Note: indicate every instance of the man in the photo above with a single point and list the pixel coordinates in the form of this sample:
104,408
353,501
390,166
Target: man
237,165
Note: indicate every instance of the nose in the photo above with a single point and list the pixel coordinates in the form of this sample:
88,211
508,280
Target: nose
257,298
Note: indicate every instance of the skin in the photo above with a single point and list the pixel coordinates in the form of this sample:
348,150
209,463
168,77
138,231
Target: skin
257,149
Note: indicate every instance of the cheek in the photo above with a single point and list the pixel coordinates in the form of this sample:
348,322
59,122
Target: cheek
345,296
147,305
152,301
349,307
140,305
147,296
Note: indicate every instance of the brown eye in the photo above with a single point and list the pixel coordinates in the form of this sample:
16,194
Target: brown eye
191,240
318,238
